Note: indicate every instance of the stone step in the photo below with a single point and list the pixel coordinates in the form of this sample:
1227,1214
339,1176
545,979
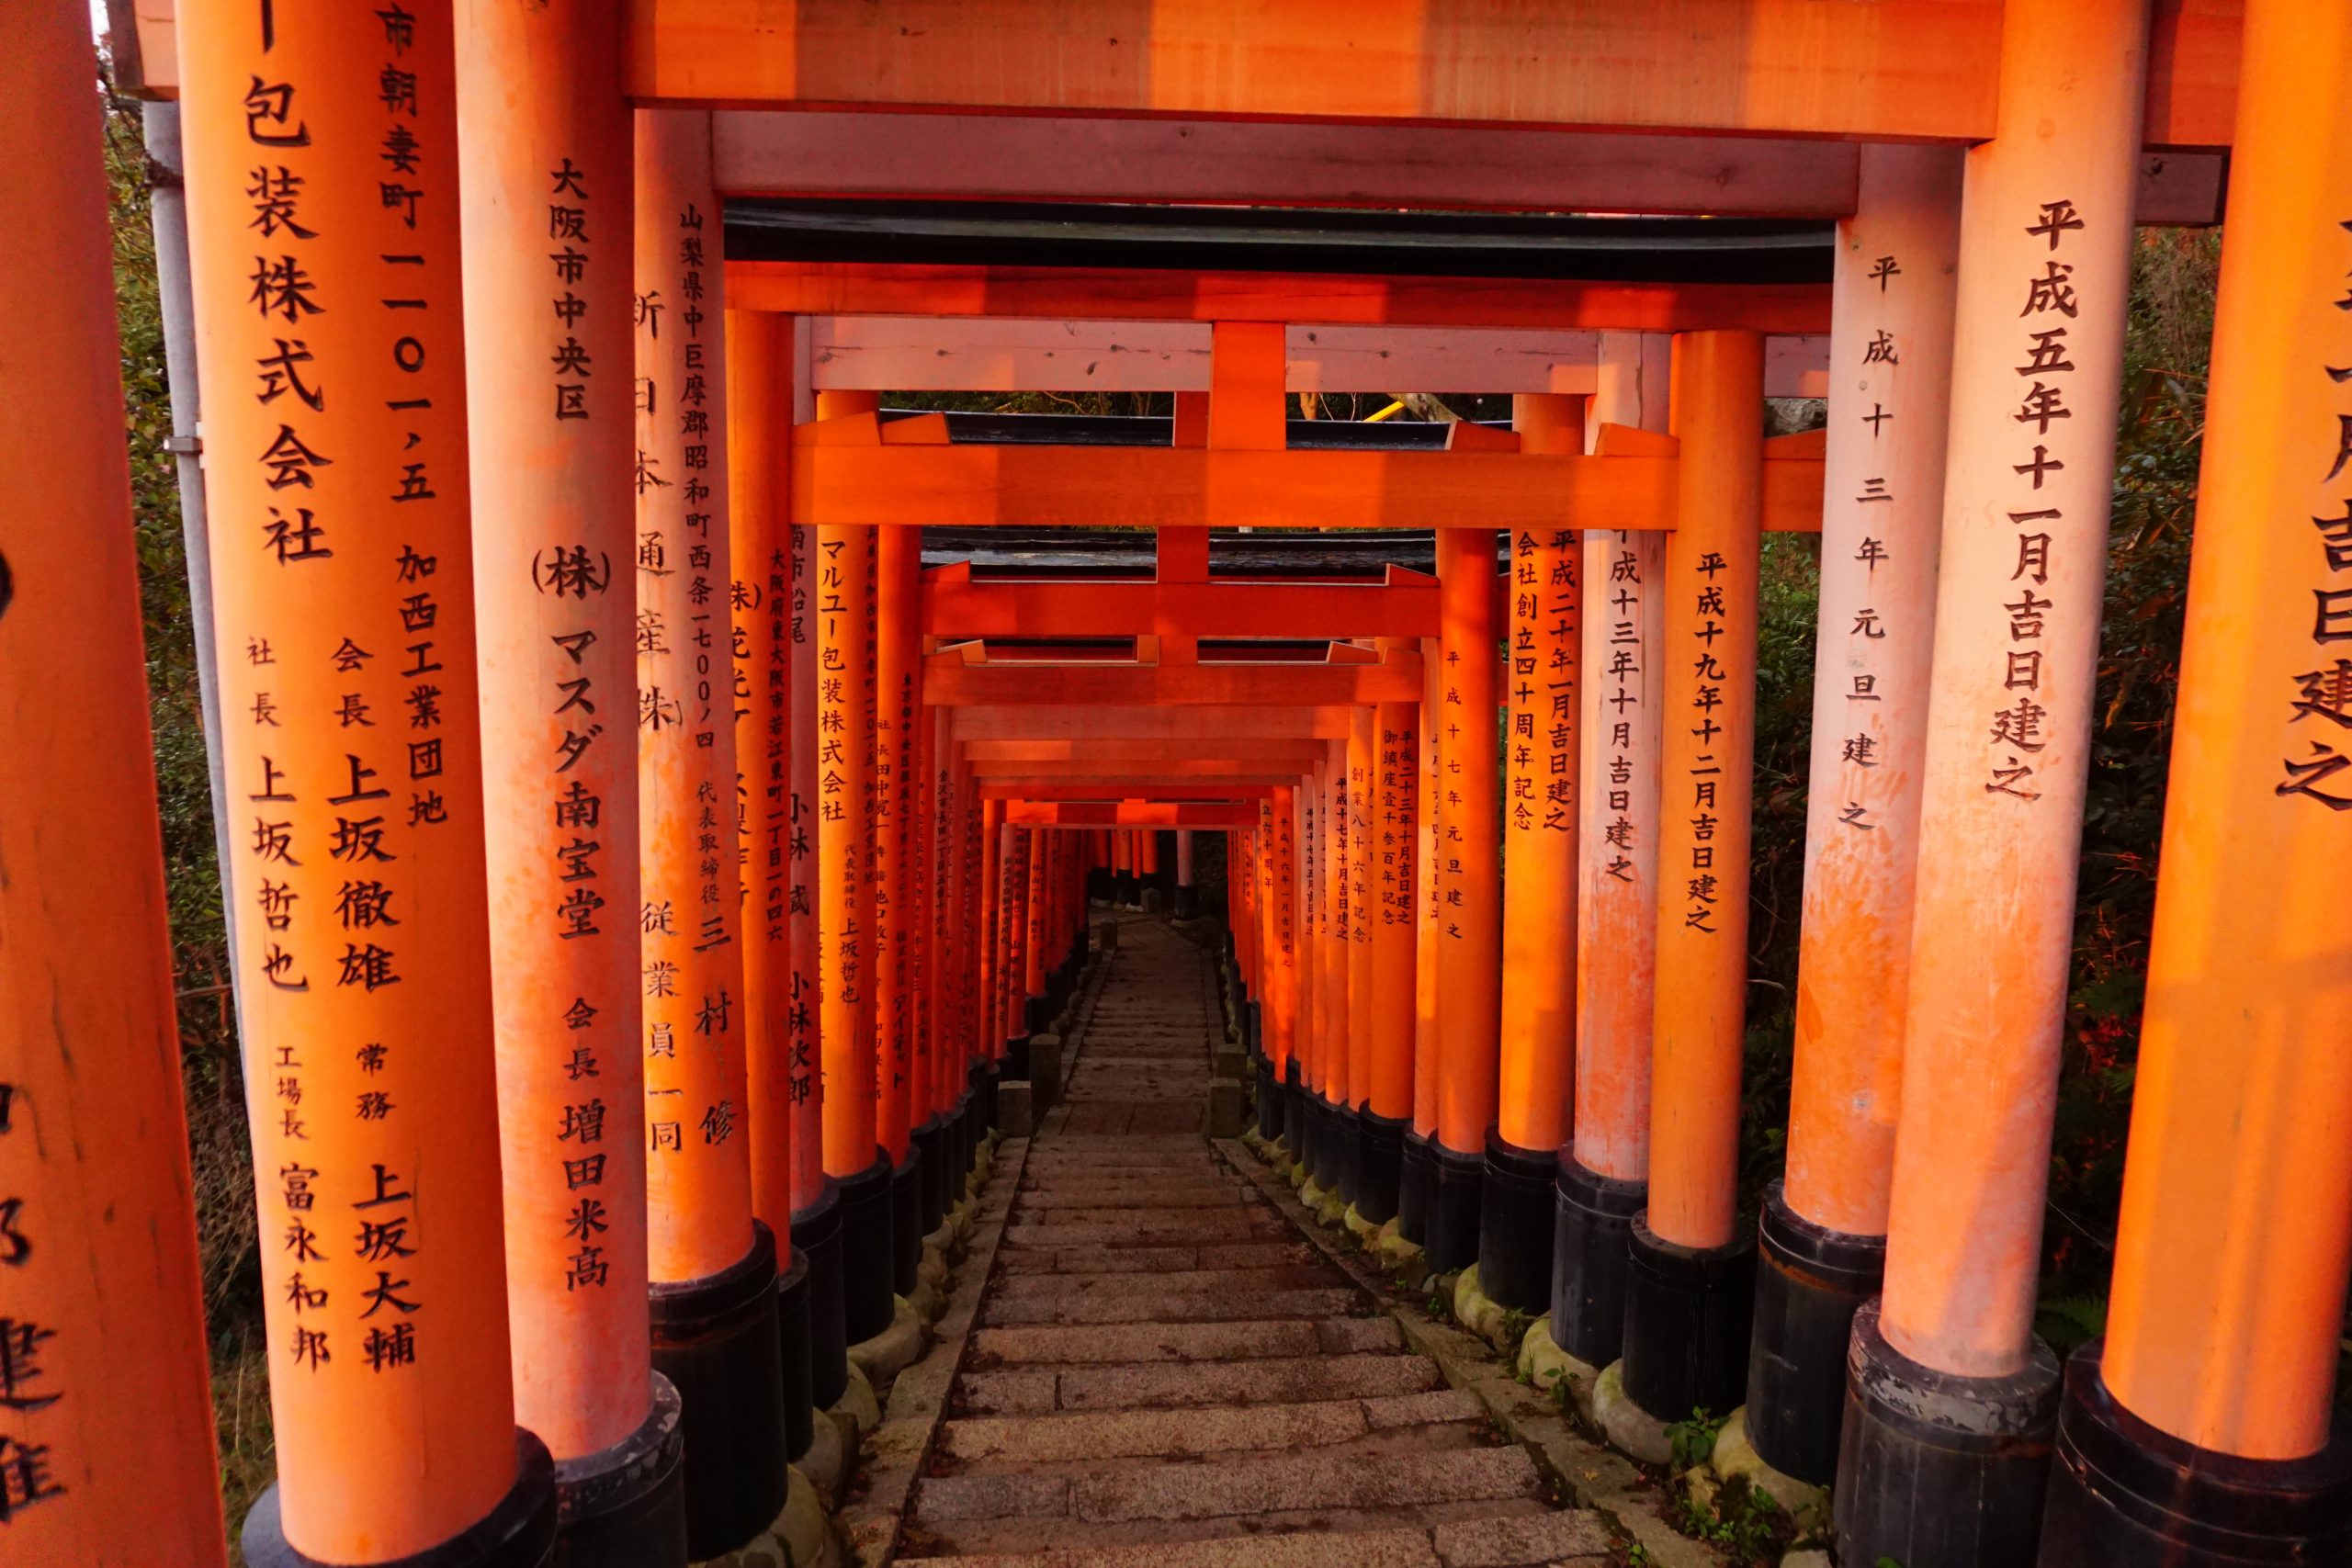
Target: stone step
1236,1217
1108,1344
1210,1225
1213,1489
1162,1282
1025,1391
1516,1540
1077,1192
1318,1302
1032,1261
1113,1435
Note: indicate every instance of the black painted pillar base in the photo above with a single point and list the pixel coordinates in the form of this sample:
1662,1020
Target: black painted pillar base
1455,1198
1938,1470
1125,891
626,1506
1253,1022
1188,903
1038,1012
1416,1188
992,1074
1294,1098
1380,1164
1326,1137
2123,1493
520,1532
867,1281
1014,1063
716,1338
1515,1226
1270,1104
1592,1230
792,1340
1347,1152
1810,1281
905,1222
1688,1312
1097,885
817,1237
931,1144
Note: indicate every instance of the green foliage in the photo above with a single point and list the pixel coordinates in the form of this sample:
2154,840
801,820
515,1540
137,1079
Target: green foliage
1747,1523
1694,1437
2066,1322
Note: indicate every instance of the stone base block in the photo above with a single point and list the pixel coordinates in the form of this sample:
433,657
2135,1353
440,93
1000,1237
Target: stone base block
1549,1368
825,1463
893,1351
1232,1063
1626,1424
1481,1314
1015,1108
1221,1117
1044,1071
800,1537
1735,1455
1311,1194
1363,1230
857,1412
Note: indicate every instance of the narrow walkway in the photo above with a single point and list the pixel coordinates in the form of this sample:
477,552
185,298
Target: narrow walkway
1166,1375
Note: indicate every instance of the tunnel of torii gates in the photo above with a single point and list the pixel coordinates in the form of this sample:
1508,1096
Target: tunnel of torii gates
609,1057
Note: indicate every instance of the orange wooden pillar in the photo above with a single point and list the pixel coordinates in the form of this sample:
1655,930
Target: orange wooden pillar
987,1011
1469,921
714,1265
1822,1238
1325,1036
1690,1287
898,915
1280,896
1185,898
553,540
2207,1406
1417,1176
331,332
770,638
1537,1067
1605,1180
1355,937
1036,963
1013,945
1391,917
2045,237
842,601
107,1436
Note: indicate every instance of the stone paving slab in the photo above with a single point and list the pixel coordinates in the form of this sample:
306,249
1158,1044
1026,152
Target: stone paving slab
1233,1306
1208,1226
1353,1549
1084,1195
1162,1434
1103,1344
1069,1284
1295,1482
1267,1382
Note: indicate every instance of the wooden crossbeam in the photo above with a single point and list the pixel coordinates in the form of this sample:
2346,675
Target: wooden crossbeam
1160,768
1893,69
1135,790
1001,755
955,684
956,606
1130,814
1016,720
868,288
917,354
1065,487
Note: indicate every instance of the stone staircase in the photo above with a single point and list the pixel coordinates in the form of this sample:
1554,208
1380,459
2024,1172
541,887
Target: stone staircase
1164,1373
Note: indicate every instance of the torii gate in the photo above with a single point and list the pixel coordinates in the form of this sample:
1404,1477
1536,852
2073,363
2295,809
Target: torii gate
701,1271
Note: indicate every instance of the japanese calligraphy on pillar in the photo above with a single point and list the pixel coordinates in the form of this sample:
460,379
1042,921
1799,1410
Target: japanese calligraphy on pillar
1715,674
2018,729
1395,842
2323,691
337,436
691,963
1618,696
1539,752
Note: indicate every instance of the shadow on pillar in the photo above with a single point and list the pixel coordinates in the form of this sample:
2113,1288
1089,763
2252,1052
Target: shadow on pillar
717,1339
906,1224
1516,1225
520,1532
1416,1184
1810,1281
1592,1234
792,1322
1380,1165
2123,1493
1293,1097
625,1507
817,1237
1939,1470
1014,1065
867,1280
1456,1195
1347,1149
931,1141
1269,1103
989,1074
1688,1315
1188,903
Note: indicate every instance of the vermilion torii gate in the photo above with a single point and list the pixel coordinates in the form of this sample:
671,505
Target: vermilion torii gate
644,872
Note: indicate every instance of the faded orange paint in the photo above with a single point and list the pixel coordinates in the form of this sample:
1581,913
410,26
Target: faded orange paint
2001,812
1469,936
553,538
1882,516
1617,871
1539,825
106,1389
345,633
2235,1235
1706,770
